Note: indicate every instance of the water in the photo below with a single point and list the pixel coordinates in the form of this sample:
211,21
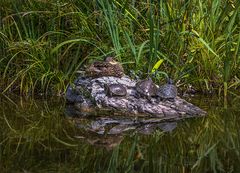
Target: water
36,136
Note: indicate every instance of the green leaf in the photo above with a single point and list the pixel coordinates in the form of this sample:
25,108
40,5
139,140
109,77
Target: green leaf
157,65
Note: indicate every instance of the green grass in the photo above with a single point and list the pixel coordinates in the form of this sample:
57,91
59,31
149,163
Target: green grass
44,42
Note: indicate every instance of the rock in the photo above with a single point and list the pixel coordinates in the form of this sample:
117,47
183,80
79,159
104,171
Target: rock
90,93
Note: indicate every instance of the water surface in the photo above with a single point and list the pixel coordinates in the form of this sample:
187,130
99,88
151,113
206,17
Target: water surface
37,136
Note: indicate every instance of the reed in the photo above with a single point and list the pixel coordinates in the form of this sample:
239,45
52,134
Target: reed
44,42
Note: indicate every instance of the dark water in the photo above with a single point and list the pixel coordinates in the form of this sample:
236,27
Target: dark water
36,136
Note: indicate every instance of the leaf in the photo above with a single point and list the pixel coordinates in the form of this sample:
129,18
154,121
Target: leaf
203,42
157,65
208,47
74,41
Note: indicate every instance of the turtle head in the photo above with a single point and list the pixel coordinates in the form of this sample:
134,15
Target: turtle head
110,60
170,81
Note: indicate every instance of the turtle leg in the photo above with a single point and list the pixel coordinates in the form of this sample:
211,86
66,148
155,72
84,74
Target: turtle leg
138,96
171,99
149,98
110,94
159,99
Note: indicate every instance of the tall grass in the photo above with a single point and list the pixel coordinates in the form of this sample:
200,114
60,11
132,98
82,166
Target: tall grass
44,42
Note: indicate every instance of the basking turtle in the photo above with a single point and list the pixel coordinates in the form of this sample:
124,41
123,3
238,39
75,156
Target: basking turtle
109,67
146,88
167,91
115,90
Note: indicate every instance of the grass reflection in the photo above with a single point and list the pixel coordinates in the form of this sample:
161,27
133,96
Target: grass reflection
37,137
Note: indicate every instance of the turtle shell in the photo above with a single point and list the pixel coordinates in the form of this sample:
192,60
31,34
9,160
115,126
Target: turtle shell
115,90
167,91
146,87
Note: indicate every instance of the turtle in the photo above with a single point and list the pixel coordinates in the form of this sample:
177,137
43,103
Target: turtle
167,91
115,90
109,67
146,88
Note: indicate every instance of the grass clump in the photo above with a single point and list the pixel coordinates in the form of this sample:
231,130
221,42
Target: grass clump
44,42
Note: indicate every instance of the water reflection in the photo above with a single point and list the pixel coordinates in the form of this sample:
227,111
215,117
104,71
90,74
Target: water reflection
113,126
36,136
108,142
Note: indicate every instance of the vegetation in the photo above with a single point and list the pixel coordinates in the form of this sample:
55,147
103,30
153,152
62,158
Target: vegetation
43,43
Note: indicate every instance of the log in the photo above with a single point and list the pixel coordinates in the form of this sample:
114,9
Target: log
88,96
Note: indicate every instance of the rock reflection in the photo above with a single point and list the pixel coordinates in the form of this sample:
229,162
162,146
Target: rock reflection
105,130
108,142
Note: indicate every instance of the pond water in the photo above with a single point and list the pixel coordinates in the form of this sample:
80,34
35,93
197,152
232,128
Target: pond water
37,136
